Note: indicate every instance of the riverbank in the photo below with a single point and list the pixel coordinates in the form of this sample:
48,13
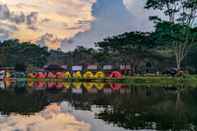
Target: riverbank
137,81
161,81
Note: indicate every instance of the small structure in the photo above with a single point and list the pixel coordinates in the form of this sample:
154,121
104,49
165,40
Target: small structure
77,68
107,67
54,68
125,69
92,67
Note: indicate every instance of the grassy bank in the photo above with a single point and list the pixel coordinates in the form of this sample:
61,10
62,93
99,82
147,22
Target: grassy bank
137,81
162,81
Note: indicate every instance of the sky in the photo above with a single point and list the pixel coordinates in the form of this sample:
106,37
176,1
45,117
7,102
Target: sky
67,24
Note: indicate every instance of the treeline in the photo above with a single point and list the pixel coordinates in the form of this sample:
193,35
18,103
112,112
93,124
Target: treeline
173,43
137,49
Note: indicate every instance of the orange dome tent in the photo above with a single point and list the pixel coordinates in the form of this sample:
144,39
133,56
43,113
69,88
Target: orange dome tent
60,75
51,75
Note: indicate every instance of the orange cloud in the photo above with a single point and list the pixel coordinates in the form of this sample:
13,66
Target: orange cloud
33,19
50,119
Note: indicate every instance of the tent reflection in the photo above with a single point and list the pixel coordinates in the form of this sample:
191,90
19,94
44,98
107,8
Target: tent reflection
91,87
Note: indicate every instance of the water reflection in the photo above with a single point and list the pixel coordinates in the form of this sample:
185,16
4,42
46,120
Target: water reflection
115,106
52,118
74,87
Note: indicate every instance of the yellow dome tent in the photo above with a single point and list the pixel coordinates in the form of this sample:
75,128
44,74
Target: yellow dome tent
77,75
67,75
100,74
88,75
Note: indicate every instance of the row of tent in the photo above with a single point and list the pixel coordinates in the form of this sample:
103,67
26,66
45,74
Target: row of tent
77,75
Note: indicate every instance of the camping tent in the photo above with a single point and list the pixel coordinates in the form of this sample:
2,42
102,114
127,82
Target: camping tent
67,75
100,74
51,75
88,75
41,75
77,75
60,75
116,74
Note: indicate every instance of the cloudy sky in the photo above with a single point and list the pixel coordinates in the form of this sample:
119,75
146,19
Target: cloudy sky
66,24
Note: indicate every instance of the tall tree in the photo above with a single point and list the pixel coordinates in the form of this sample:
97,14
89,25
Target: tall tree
182,15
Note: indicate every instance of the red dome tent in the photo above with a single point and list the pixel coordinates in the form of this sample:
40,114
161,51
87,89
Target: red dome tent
116,74
51,75
41,75
60,75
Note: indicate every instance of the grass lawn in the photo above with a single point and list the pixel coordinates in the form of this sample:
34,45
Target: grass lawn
162,81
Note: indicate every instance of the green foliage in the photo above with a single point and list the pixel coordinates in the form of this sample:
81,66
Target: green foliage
178,11
167,34
13,53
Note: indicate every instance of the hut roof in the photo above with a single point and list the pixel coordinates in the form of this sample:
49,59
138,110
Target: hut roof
54,68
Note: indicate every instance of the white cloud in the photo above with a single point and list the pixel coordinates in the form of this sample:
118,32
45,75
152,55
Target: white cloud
136,7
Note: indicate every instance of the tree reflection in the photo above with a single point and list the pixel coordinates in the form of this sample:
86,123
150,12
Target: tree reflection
127,107
160,112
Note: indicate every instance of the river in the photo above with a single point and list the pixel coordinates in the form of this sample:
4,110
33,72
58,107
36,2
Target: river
78,106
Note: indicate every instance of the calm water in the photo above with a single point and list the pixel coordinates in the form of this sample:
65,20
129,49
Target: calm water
41,106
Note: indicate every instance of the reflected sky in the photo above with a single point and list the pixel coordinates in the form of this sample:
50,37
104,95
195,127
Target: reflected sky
52,118
79,106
